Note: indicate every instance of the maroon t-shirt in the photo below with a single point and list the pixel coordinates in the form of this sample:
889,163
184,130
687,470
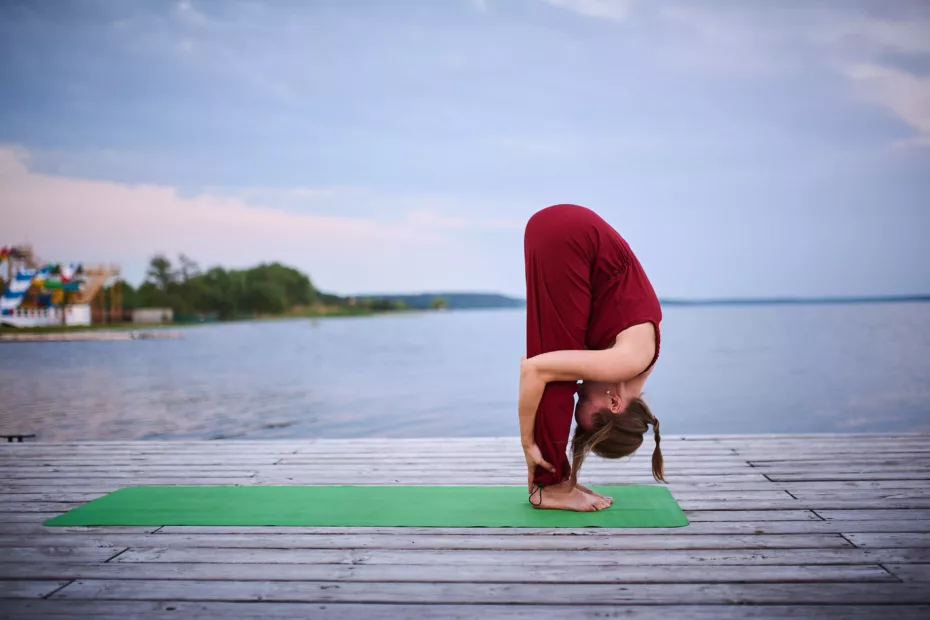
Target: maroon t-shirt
621,293
584,287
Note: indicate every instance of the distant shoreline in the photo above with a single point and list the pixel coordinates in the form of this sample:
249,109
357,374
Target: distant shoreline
487,301
795,301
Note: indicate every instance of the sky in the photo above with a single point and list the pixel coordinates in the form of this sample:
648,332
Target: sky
743,149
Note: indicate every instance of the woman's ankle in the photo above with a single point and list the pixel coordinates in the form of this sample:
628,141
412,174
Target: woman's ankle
565,486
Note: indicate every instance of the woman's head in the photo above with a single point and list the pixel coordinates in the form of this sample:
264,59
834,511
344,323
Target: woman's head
596,397
614,435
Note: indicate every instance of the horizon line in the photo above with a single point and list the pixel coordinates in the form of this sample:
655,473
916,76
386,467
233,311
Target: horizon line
672,301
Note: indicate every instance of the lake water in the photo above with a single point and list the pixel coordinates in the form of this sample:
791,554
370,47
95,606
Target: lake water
755,369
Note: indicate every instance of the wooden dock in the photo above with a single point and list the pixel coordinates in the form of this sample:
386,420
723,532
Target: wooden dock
782,526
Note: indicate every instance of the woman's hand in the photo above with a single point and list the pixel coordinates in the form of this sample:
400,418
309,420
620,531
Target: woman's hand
533,458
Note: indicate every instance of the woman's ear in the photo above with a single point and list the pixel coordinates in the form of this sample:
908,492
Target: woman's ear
615,403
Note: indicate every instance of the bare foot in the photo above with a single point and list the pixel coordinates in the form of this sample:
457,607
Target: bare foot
565,497
585,489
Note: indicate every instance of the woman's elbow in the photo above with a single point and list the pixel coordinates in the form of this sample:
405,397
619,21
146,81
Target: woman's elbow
530,371
527,368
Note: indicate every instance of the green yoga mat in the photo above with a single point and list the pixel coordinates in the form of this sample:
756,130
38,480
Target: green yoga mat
366,506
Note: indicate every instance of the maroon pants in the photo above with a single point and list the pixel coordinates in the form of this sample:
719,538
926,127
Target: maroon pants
558,306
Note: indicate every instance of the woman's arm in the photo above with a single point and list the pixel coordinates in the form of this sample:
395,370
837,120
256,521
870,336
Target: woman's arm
532,387
611,365
620,363
531,391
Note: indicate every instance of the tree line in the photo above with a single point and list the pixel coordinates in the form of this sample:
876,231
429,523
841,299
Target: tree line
266,289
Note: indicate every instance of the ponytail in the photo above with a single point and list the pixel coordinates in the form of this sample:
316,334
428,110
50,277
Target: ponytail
618,435
658,464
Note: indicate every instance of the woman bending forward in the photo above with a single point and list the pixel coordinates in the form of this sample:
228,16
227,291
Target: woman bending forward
591,315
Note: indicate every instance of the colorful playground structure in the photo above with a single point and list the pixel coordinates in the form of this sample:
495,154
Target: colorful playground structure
37,294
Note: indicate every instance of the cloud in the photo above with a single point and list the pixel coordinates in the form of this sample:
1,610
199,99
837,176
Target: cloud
442,212
87,220
865,46
185,13
480,5
829,39
611,10
903,93
910,36
730,42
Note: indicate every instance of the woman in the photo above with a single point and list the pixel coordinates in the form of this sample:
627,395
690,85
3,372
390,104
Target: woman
592,315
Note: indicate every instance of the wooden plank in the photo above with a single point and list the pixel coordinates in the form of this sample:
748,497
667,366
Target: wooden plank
509,456
682,474
568,543
495,465
36,528
718,528
819,460
685,465
56,507
57,554
824,440
756,515
28,517
130,448
198,610
509,471
492,573
91,463
128,463
45,498
238,461
503,454
521,593
511,477
878,496
812,437
745,490
847,455
829,470
107,486
640,477
865,515
695,516
234,462
82,487
910,572
844,485
817,476
699,557
680,495
904,463
46,452
789,503
21,588
97,473
476,448
888,541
